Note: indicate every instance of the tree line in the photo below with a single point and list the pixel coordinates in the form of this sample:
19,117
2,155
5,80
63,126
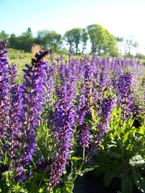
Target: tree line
77,40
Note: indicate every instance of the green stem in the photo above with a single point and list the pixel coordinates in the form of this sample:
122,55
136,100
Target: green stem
81,166
84,149
79,170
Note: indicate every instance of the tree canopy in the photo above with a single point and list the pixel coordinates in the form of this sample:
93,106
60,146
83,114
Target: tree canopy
101,41
74,38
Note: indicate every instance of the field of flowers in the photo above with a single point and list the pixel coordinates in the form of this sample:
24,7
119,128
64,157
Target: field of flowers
68,118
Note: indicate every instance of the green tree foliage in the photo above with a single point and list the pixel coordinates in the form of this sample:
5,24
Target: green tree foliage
102,42
22,42
69,39
3,35
49,40
111,45
130,44
13,41
26,40
74,37
119,39
84,40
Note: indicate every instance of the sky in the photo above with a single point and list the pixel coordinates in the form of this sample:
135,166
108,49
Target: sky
124,18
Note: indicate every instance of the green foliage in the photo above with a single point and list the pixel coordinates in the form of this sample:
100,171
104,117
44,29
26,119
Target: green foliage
22,42
3,35
126,185
74,37
102,42
49,40
121,153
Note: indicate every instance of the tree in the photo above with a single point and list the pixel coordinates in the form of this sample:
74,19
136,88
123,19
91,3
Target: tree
102,42
131,46
3,35
84,40
40,39
74,37
13,42
136,45
49,40
69,39
26,40
97,37
22,42
120,41
111,46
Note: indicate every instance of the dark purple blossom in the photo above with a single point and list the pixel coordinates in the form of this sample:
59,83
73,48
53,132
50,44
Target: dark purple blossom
84,136
32,94
104,116
85,94
24,115
48,90
42,165
125,84
19,174
4,90
14,132
63,128
125,97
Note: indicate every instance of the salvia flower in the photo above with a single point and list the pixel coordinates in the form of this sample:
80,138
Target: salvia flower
4,90
23,135
125,97
63,129
42,165
125,84
32,93
84,136
85,94
14,132
88,80
48,90
104,116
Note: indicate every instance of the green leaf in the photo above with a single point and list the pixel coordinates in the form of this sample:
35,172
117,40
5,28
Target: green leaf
69,187
108,177
41,189
141,130
8,173
84,171
58,190
112,154
130,122
136,161
76,158
125,137
126,185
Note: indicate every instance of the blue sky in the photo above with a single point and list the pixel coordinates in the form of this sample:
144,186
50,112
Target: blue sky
120,17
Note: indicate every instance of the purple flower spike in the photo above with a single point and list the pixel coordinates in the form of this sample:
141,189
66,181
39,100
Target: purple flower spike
84,136
4,90
32,94
14,132
24,116
125,97
64,117
105,112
